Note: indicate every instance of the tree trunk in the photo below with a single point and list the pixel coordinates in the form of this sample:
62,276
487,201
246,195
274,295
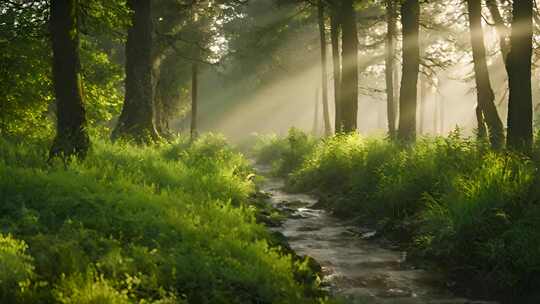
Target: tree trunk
487,111
194,100
336,63
500,27
410,15
71,136
315,129
137,118
324,73
520,132
422,105
481,123
396,92
442,114
389,66
349,81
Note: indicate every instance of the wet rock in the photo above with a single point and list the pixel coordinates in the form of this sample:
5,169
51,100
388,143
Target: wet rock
308,228
369,235
277,239
294,204
396,293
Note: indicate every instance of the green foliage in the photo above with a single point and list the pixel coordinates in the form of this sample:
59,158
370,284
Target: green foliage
284,154
486,218
140,224
16,269
454,200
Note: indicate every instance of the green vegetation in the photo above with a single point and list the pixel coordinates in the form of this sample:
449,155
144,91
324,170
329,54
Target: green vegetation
453,200
165,224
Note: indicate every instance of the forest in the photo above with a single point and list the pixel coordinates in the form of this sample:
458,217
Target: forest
270,151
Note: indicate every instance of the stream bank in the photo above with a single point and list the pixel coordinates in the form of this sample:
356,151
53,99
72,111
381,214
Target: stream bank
354,267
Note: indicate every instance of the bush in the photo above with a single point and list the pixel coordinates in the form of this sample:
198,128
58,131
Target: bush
285,155
485,221
16,269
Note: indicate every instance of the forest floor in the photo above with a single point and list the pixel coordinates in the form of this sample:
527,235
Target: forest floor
357,265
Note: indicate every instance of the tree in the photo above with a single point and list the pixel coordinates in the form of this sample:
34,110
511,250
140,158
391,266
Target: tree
487,111
71,137
335,31
324,74
137,118
500,27
520,131
410,15
389,65
349,80
194,99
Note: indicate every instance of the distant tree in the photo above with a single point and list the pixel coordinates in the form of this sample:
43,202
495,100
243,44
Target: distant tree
335,34
520,131
410,15
487,111
349,76
137,118
71,137
324,73
194,99
390,45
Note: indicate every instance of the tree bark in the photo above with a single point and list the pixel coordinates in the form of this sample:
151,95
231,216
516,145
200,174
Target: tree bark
336,63
487,111
137,118
410,15
71,136
422,105
315,129
500,27
194,100
389,66
520,131
349,81
324,73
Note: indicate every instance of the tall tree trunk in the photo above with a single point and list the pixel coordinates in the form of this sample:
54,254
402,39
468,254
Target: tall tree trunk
336,63
396,92
487,111
349,81
500,27
481,123
324,73
137,118
410,15
194,100
435,114
71,136
422,105
520,132
315,129
442,114
389,66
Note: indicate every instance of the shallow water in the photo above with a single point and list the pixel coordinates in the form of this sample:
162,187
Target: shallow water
354,267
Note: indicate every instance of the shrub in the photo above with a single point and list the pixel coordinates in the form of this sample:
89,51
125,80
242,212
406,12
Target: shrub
16,269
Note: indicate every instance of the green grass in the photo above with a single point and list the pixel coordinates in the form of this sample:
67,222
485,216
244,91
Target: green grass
130,224
473,211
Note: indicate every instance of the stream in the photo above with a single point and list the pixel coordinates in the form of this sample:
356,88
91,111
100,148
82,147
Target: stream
355,268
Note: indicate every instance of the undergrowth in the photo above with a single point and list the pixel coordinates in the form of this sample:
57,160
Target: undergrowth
132,224
474,211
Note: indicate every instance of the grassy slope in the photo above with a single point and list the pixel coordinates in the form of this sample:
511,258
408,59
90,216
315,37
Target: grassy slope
136,225
474,211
